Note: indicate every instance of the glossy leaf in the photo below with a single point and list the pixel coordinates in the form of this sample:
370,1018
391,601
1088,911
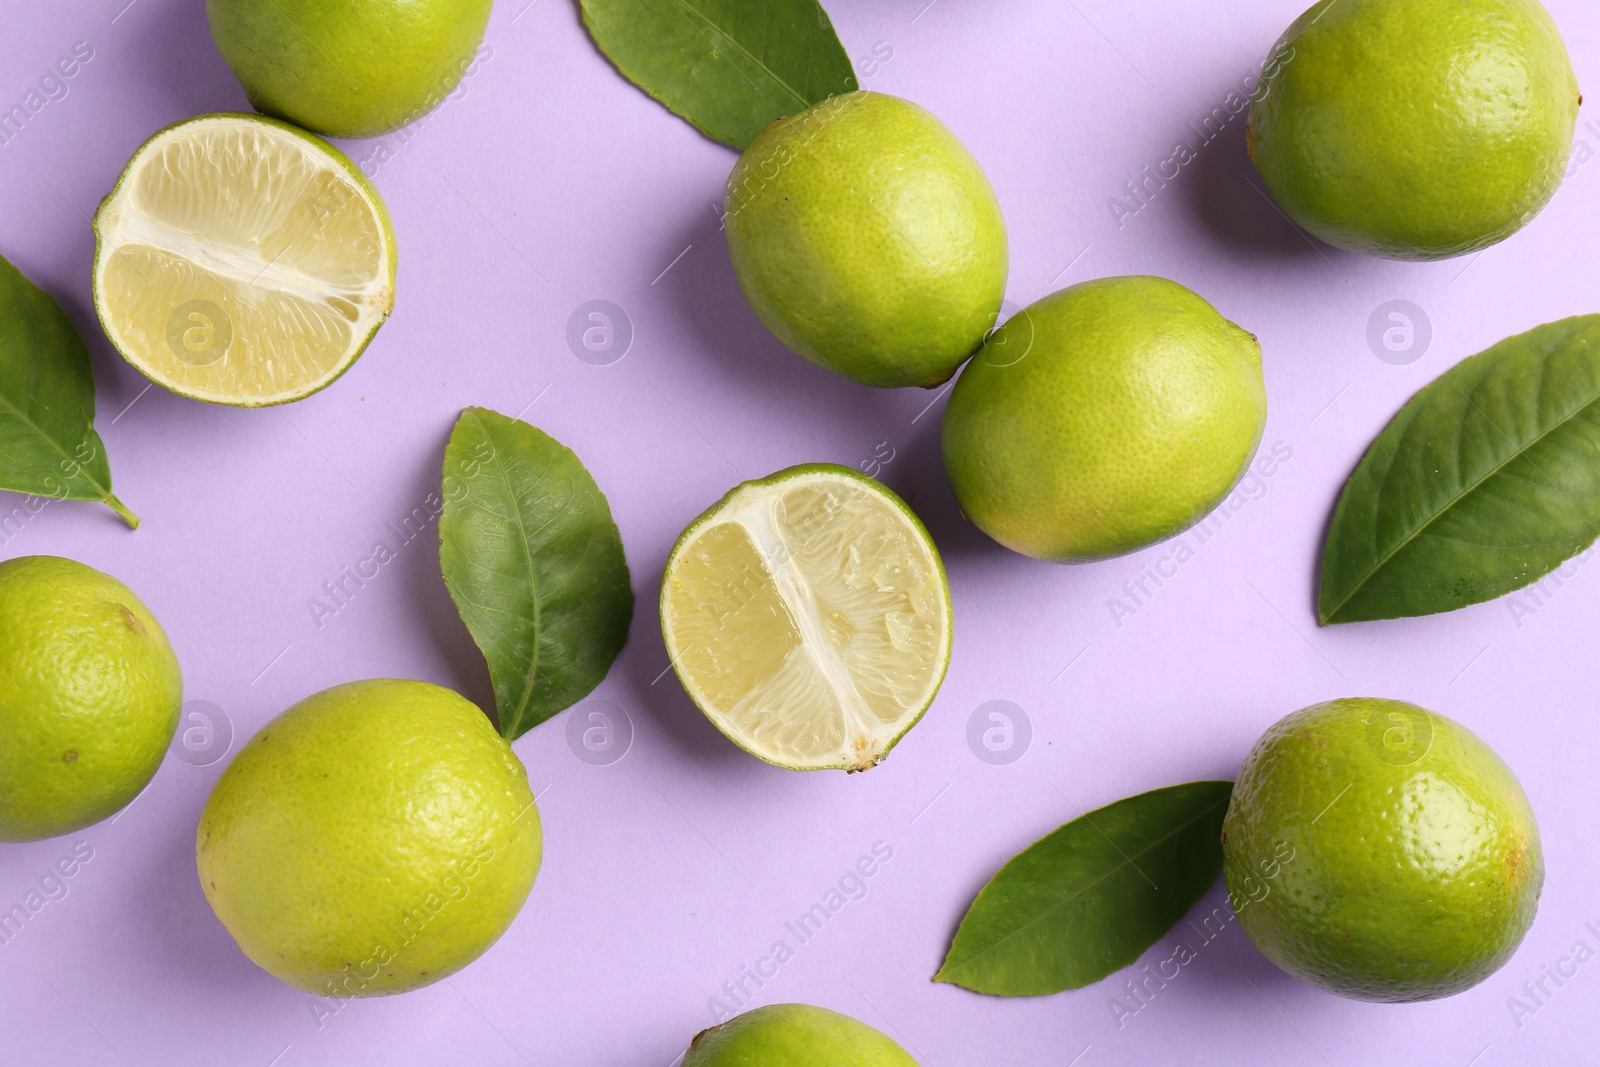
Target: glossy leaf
1486,481
48,445
1090,898
728,66
534,564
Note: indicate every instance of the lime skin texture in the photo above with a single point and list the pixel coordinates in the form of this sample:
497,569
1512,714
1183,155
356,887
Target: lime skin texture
1381,851
372,839
794,1035
868,239
1416,129
90,693
1103,418
348,68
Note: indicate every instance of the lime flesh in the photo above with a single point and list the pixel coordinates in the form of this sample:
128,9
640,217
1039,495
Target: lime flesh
1416,129
242,261
89,697
868,239
808,616
1381,851
372,839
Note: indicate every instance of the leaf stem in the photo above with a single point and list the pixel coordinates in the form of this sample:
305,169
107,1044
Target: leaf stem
122,511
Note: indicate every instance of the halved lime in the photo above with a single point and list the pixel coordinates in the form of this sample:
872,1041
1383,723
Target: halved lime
808,615
242,261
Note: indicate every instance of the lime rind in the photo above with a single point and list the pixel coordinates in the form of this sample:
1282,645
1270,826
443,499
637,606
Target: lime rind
869,715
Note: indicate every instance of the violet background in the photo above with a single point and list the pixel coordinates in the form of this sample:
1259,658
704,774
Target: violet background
548,181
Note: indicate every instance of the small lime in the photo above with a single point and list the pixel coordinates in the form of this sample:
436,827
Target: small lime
794,1035
1103,418
868,239
1381,851
374,838
1416,129
348,68
89,697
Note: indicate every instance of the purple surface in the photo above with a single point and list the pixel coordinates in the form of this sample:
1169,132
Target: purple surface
548,182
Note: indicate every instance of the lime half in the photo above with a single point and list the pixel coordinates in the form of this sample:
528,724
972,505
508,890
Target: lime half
808,615
242,261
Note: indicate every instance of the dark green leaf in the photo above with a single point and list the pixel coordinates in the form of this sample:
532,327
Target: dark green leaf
48,447
534,563
1089,898
728,66
1484,482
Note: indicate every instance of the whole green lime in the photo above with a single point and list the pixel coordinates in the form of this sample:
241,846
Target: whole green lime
89,697
348,68
794,1035
374,838
1381,851
1104,418
868,239
1415,129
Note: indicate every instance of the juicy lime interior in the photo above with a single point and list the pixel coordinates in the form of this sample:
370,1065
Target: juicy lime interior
808,617
242,262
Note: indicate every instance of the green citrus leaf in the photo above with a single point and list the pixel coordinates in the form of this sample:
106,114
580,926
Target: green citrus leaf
534,564
1486,481
1088,899
728,66
48,447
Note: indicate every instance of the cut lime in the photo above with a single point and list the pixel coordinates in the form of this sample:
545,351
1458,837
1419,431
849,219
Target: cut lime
808,615
242,261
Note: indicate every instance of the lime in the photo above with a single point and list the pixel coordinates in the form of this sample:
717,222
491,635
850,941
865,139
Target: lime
1104,418
348,68
868,239
1416,129
242,261
794,1035
89,697
1381,851
374,838
808,616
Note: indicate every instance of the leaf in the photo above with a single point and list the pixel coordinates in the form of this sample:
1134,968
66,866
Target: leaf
728,66
1486,481
1089,898
534,564
48,447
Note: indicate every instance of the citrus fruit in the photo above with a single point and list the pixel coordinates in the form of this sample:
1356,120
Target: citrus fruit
374,838
1381,851
808,616
89,697
1415,129
241,261
794,1035
348,68
868,239
1103,418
